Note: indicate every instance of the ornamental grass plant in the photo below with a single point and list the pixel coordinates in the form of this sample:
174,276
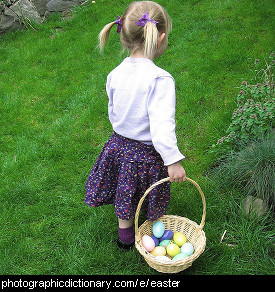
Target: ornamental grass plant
252,170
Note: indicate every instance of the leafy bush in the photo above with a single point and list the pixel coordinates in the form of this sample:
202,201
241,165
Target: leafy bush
254,116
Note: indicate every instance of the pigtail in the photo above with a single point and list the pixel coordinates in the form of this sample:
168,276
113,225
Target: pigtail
150,39
104,34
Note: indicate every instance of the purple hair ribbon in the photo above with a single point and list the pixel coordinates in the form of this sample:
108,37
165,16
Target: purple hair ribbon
144,19
119,24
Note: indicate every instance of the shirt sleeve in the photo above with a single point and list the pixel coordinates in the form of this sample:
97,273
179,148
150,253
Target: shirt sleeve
161,110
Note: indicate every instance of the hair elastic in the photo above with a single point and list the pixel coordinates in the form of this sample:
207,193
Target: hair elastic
144,19
119,24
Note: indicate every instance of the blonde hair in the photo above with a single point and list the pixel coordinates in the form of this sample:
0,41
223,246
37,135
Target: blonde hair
135,37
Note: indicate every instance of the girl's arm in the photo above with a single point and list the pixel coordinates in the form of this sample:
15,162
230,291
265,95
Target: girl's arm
161,110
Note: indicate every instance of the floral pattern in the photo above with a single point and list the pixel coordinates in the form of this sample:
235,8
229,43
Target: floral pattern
122,173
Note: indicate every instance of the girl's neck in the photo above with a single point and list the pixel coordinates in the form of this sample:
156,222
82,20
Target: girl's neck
138,54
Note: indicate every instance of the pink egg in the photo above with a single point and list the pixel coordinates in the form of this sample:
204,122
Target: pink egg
148,242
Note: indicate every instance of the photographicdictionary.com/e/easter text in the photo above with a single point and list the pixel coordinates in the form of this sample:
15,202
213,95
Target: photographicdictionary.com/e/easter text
34,283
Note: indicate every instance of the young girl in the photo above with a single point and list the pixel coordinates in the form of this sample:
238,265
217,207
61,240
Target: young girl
143,148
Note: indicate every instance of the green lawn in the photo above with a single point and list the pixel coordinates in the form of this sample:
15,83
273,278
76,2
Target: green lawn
54,122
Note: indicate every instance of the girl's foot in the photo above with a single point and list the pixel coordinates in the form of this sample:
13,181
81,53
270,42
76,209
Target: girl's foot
126,237
125,246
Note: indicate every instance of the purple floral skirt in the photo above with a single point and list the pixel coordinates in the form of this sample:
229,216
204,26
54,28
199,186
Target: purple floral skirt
122,173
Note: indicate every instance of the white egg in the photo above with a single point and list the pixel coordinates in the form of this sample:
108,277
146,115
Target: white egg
187,248
162,258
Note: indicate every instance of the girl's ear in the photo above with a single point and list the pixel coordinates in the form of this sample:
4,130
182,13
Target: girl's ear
160,39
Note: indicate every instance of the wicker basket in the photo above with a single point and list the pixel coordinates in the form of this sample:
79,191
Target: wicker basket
190,229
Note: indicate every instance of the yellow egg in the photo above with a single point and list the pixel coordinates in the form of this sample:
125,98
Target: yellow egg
158,251
173,249
179,238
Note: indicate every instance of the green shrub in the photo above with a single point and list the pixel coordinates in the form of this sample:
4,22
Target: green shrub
254,116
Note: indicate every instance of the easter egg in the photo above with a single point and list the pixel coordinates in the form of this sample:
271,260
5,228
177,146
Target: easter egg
165,243
158,251
187,248
156,240
162,258
180,256
179,238
168,234
148,242
172,249
158,229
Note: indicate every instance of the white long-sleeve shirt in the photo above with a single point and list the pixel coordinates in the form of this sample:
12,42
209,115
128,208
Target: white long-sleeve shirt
142,105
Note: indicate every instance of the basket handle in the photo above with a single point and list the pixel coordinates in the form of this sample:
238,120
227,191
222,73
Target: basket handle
166,180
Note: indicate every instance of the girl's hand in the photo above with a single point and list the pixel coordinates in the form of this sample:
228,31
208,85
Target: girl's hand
176,172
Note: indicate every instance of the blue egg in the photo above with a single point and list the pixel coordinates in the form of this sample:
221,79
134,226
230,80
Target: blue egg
180,256
155,240
158,229
168,234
